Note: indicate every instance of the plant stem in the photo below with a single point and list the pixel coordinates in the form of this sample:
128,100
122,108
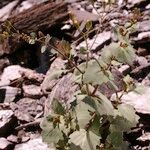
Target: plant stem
94,91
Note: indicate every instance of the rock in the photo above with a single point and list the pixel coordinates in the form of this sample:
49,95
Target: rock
5,145
146,80
9,10
125,69
6,10
135,2
144,26
32,91
16,72
145,137
7,122
35,144
10,73
140,71
63,91
53,75
101,39
139,100
26,109
12,138
3,63
144,35
142,61
142,52
9,94
107,90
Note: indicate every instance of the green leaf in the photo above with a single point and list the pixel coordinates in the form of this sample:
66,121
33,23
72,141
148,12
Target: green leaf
88,25
86,140
120,124
124,119
83,50
94,73
43,48
95,125
114,145
33,35
107,53
129,113
118,53
102,105
129,82
77,74
125,54
55,74
57,107
32,41
2,38
52,136
116,138
49,133
83,114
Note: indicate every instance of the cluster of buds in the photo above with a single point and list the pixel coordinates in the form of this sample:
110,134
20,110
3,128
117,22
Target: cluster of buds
25,37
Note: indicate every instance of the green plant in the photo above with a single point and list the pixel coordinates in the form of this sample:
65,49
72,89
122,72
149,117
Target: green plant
91,121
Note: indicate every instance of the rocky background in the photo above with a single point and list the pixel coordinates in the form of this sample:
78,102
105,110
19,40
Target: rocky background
26,87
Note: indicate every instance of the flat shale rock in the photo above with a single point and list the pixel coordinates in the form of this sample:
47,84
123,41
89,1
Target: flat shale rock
32,91
7,122
40,17
9,94
52,75
35,144
145,137
101,40
144,26
146,80
26,109
16,72
5,145
10,73
3,63
62,91
140,101
12,138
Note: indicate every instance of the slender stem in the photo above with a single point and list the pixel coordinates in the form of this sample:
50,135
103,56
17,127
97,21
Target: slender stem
87,88
94,91
66,58
90,122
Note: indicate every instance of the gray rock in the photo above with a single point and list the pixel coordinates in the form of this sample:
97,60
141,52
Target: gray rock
26,109
146,80
35,144
142,61
139,100
145,137
144,26
135,2
63,91
3,63
125,69
7,122
32,91
10,73
12,138
101,39
5,145
8,94
53,75
15,72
